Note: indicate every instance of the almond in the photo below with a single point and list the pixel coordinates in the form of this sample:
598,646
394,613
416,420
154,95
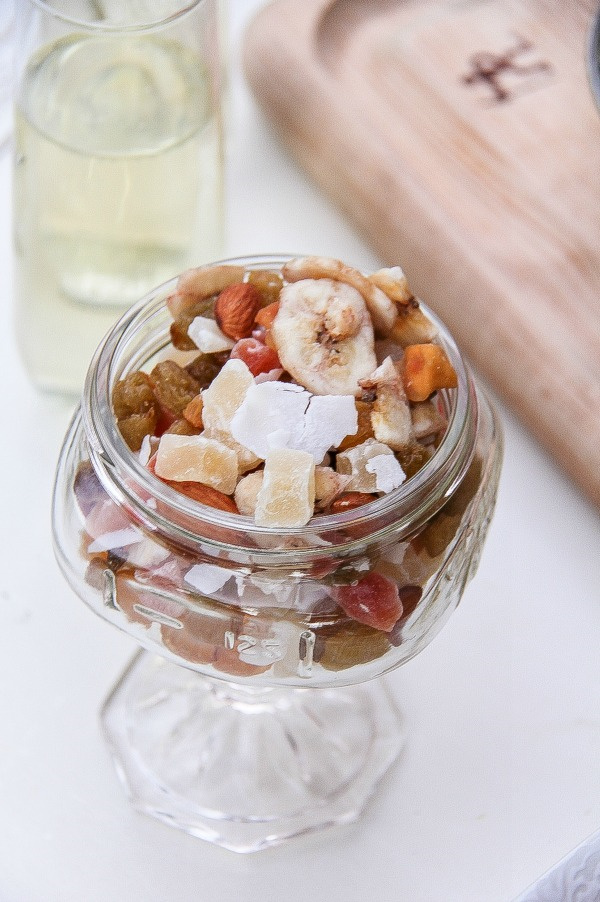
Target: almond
236,308
204,494
351,500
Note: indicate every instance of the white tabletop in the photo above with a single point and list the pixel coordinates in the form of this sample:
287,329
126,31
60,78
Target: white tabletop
501,772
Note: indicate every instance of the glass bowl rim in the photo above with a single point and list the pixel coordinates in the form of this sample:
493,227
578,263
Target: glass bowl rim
404,509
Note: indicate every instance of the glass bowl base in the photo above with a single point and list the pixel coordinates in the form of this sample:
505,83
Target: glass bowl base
243,767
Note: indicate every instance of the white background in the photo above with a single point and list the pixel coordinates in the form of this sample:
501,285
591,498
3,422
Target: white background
501,773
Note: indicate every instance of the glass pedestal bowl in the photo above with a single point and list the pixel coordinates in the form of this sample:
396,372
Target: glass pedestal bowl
255,710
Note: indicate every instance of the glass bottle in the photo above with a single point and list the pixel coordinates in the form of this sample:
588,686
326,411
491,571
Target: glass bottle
118,166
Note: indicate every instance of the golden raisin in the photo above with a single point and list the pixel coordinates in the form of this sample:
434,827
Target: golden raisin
182,427
205,367
268,283
174,387
350,644
182,322
135,408
133,394
136,427
365,427
412,457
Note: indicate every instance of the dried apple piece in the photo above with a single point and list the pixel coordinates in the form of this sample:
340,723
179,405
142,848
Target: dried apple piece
394,283
328,485
365,463
412,326
390,415
195,285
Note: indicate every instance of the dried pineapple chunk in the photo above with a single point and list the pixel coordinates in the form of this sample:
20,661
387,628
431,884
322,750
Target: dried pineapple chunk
225,394
221,401
194,458
287,495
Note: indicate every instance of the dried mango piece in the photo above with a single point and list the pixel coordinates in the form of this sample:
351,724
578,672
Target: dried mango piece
193,411
425,369
287,495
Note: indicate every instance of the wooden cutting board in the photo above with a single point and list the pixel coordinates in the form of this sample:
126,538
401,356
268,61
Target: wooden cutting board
462,140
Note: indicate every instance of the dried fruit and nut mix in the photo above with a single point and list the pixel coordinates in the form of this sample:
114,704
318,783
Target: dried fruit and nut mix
304,392
313,391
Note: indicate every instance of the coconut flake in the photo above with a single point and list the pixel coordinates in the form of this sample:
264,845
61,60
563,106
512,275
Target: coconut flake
207,336
119,538
207,578
146,554
387,471
284,415
266,409
327,422
271,376
145,451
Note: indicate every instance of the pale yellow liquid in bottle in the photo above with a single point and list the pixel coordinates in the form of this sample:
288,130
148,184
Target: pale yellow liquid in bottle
117,188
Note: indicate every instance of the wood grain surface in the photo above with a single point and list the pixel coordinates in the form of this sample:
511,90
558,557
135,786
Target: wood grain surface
462,140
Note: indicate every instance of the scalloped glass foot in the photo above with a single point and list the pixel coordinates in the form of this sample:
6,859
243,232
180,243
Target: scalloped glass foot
247,768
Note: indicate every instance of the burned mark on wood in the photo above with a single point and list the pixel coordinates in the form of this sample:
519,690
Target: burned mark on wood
492,69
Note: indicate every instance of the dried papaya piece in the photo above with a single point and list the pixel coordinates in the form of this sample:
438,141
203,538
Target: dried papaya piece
425,369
